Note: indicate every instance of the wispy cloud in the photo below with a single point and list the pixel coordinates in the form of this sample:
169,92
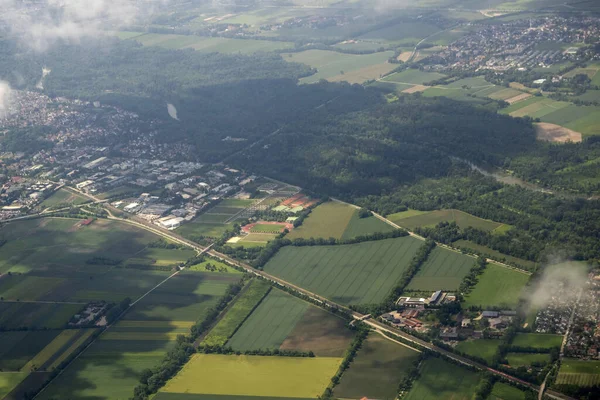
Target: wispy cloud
4,98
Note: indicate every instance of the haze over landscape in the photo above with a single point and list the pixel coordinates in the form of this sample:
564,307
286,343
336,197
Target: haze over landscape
299,199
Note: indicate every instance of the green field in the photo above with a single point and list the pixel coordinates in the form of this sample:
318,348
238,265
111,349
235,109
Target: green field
526,264
578,372
583,119
481,348
405,32
202,266
442,380
237,314
430,219
18,347
362,273
253,376
498,286
196,229
503,391
17,315
110,367
413,76
443,270
517,360
63,197
377,370
268,228
331,64
10,380
537,340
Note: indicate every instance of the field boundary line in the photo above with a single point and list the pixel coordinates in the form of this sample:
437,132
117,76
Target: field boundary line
396,341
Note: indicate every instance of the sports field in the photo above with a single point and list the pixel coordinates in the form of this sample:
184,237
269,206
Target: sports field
247,301
441,380
282,321
537,340
503,391
498,286
196,229
18,347
443,270
462,219
362,273
517,360
579,372
339,221
110,367
259,376
481,348
376,371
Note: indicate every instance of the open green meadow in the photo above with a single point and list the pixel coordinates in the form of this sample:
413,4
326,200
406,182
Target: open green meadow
526,264
334,65
443,270
111,366
405,32
63,197
365,226
282,321
253,376
481,348
10,380
579,372
517,360
537,340
197,229
441,380
582,119
247,301
498,286
18,347
268,228
377,370
503,391
413,76
362,273
430,219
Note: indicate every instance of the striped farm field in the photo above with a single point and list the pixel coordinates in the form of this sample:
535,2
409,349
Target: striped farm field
443,270
17,348
278,377
498,286
284,322
579,372
362,273
10,380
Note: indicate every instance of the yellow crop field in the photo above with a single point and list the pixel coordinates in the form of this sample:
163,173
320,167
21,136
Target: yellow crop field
254,376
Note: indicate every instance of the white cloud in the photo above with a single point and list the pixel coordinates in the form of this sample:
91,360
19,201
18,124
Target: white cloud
4,98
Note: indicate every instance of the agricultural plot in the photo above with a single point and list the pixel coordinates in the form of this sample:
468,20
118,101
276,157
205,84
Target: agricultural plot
442,380
413,77
582,119
196,229
362,273
17,315
537,340
237,314
10,380
377,370
406,32
481,348
503,391
534,107
278,377
284,322
517,360
579,372
365,226
443,270
63,197
430,219
498,286
327,220
18,347
111,366
526,264
330,64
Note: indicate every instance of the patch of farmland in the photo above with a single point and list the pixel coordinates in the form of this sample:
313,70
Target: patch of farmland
537,340
253,376
285,322
517,360
361,75
481,348
413,76
17,315
503,391
330,64
486,251
462,219
196,229
441,380
377,370
504,94
248,300
537,109
362,273
405,214
27,287
110,368
63,196
583,119
443,270
10,380
365,226
326,220
18,347
579,372
498,286
406,32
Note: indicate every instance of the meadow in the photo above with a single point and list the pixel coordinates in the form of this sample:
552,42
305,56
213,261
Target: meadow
365,226
503,391
63,197
111,366
405,32
498,286
443,270
432,218
481,348
413,77
578,372
517,360
525,264
197,228
247,301
282,321
537,340
362,273
18,347
442,380
253,376
377,370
